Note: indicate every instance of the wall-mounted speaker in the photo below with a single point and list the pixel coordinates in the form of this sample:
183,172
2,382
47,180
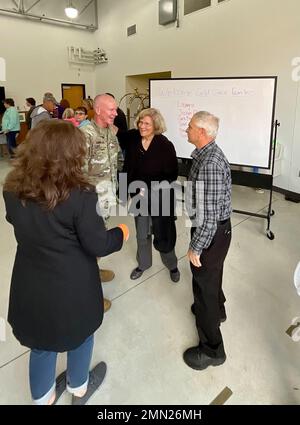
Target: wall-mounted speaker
167,11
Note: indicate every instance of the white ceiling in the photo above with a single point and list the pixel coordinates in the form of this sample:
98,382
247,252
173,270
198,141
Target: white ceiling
53,11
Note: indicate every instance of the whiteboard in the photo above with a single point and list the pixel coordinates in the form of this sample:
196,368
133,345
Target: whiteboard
245,106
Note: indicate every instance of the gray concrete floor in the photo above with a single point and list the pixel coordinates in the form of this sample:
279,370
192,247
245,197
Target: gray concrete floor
150,324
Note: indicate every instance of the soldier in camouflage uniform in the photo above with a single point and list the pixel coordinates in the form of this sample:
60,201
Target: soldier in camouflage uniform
102,161
102,164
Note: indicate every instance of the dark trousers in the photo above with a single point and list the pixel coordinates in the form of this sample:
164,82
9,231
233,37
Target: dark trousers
144,246
11,141
209,298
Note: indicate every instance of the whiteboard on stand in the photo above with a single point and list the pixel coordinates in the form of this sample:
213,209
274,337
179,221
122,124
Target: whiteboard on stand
244,105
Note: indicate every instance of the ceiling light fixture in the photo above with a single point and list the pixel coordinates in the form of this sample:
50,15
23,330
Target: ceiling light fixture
71,11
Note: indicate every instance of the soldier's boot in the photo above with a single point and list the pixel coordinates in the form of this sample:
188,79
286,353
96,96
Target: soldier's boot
107,305
106,275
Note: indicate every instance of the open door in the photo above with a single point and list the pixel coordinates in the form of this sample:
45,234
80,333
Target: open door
74,93
137,94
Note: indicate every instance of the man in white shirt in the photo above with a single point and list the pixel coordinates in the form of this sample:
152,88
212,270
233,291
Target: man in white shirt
43,112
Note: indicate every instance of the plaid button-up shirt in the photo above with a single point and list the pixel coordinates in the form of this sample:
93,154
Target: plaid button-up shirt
208,194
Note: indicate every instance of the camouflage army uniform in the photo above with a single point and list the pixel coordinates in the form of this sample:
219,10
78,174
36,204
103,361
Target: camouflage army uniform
102,164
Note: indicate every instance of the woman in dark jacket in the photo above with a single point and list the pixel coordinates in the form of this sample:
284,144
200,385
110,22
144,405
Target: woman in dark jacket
150,159
56,301
31,103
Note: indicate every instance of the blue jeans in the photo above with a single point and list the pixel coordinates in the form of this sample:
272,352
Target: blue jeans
42,366
11,141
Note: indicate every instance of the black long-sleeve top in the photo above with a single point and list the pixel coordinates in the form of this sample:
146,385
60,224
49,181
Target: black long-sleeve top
157,163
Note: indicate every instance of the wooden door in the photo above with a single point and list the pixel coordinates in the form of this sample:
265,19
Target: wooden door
74,93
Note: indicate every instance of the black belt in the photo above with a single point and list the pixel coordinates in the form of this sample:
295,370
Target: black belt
224,221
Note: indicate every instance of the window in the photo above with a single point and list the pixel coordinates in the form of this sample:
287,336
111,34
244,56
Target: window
193,5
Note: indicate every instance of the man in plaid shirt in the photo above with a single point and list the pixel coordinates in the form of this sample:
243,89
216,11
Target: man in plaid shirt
208,200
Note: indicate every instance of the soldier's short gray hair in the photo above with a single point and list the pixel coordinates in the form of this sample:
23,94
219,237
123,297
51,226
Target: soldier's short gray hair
157,118
208,121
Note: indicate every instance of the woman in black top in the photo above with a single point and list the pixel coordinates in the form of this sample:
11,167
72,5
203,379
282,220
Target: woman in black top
56,301
30,102
150,159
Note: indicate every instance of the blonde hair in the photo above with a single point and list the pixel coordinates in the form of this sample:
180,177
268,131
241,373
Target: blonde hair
158,121
88,103
68,113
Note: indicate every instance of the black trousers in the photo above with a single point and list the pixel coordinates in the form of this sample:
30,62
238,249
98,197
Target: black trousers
209,298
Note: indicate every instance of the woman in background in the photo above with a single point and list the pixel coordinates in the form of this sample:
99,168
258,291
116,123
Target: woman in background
11,125
69,115
30,103
89,105
56,301
81,116
61,107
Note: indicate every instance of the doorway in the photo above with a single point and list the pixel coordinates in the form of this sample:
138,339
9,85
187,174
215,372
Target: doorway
137,93
73,93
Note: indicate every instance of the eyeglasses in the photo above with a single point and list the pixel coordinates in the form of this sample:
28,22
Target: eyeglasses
145,124
79,113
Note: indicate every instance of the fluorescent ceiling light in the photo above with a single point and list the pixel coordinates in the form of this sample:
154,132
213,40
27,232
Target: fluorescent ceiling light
71,11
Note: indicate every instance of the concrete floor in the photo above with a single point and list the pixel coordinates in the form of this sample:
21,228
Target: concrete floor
150,324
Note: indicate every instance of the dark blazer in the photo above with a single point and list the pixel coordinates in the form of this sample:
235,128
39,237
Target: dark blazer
56,298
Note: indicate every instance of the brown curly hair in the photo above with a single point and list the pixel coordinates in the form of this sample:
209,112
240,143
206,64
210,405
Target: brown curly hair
49,164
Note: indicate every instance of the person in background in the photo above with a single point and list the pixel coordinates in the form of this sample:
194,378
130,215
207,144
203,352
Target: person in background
56,301
208,201
120,120
121,123
89,106
297,278
102,162
30,103
69,115
61,107
10,125
151,157
81,116
43,112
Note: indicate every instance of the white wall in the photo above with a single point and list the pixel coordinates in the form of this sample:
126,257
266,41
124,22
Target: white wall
37,61
234,38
